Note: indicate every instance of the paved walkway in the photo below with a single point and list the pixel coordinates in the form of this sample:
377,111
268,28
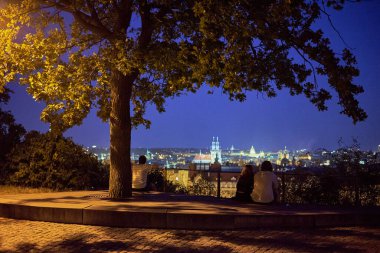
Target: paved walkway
179,217
37,236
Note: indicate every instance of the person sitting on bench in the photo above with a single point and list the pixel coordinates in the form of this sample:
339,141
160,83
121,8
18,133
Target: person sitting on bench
244,185
265,185
140,174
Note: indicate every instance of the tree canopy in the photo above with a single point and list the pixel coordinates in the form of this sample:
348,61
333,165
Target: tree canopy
171,46
120,55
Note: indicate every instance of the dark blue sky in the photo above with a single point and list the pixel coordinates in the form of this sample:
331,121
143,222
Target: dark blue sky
267,124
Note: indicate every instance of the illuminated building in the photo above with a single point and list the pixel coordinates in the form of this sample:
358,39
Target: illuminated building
207,159
306,156
202,158
252,152
283,157
149,154
216,151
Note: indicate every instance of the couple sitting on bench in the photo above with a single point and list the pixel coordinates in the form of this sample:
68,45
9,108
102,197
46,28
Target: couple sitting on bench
259,187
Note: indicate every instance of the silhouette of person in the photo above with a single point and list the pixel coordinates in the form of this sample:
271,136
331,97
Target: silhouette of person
265,185
244,185
140,174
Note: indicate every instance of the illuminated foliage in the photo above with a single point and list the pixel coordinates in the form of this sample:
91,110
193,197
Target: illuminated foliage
352,179
55,162
120,55
201,185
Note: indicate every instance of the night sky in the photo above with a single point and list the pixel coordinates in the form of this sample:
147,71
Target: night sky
268,124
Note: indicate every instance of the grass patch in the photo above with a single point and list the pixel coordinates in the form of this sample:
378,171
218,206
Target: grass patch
10,189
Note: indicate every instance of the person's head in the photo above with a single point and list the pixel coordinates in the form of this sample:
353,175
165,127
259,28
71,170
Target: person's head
142,159
247,170
266,166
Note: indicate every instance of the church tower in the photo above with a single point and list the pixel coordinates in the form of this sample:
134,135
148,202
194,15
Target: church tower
216,151
252,151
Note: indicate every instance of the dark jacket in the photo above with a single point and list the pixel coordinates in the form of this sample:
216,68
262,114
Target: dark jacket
244,186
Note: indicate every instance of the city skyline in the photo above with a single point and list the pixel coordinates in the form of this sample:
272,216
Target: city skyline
269,124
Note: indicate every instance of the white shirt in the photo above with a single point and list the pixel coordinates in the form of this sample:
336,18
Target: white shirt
140,175
264,183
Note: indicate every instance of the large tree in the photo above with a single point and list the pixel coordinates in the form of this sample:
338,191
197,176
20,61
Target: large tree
120,55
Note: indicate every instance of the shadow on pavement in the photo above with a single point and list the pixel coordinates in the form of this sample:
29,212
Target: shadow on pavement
318,240
138,240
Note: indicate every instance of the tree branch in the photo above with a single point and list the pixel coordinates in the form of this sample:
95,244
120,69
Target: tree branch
323,10
125,13
93,12
309,62
146,26
81,17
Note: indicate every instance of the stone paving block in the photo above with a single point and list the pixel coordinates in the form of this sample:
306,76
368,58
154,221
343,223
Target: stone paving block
41,213
182,220
33,213
6,210
67,215
125,218
367,220
335,220
273,221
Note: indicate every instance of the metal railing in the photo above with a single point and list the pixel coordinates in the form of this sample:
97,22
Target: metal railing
293,187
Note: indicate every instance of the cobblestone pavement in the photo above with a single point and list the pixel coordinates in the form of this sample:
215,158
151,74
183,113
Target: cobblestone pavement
35,236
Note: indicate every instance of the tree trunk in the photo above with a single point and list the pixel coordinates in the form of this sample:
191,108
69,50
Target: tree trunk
120,182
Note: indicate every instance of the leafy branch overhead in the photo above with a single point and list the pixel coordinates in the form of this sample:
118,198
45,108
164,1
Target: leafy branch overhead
66,52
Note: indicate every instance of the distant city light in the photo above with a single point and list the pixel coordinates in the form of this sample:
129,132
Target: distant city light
233,158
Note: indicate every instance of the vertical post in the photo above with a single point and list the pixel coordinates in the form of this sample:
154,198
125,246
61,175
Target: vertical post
283,187
216,167
165,178
218,194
